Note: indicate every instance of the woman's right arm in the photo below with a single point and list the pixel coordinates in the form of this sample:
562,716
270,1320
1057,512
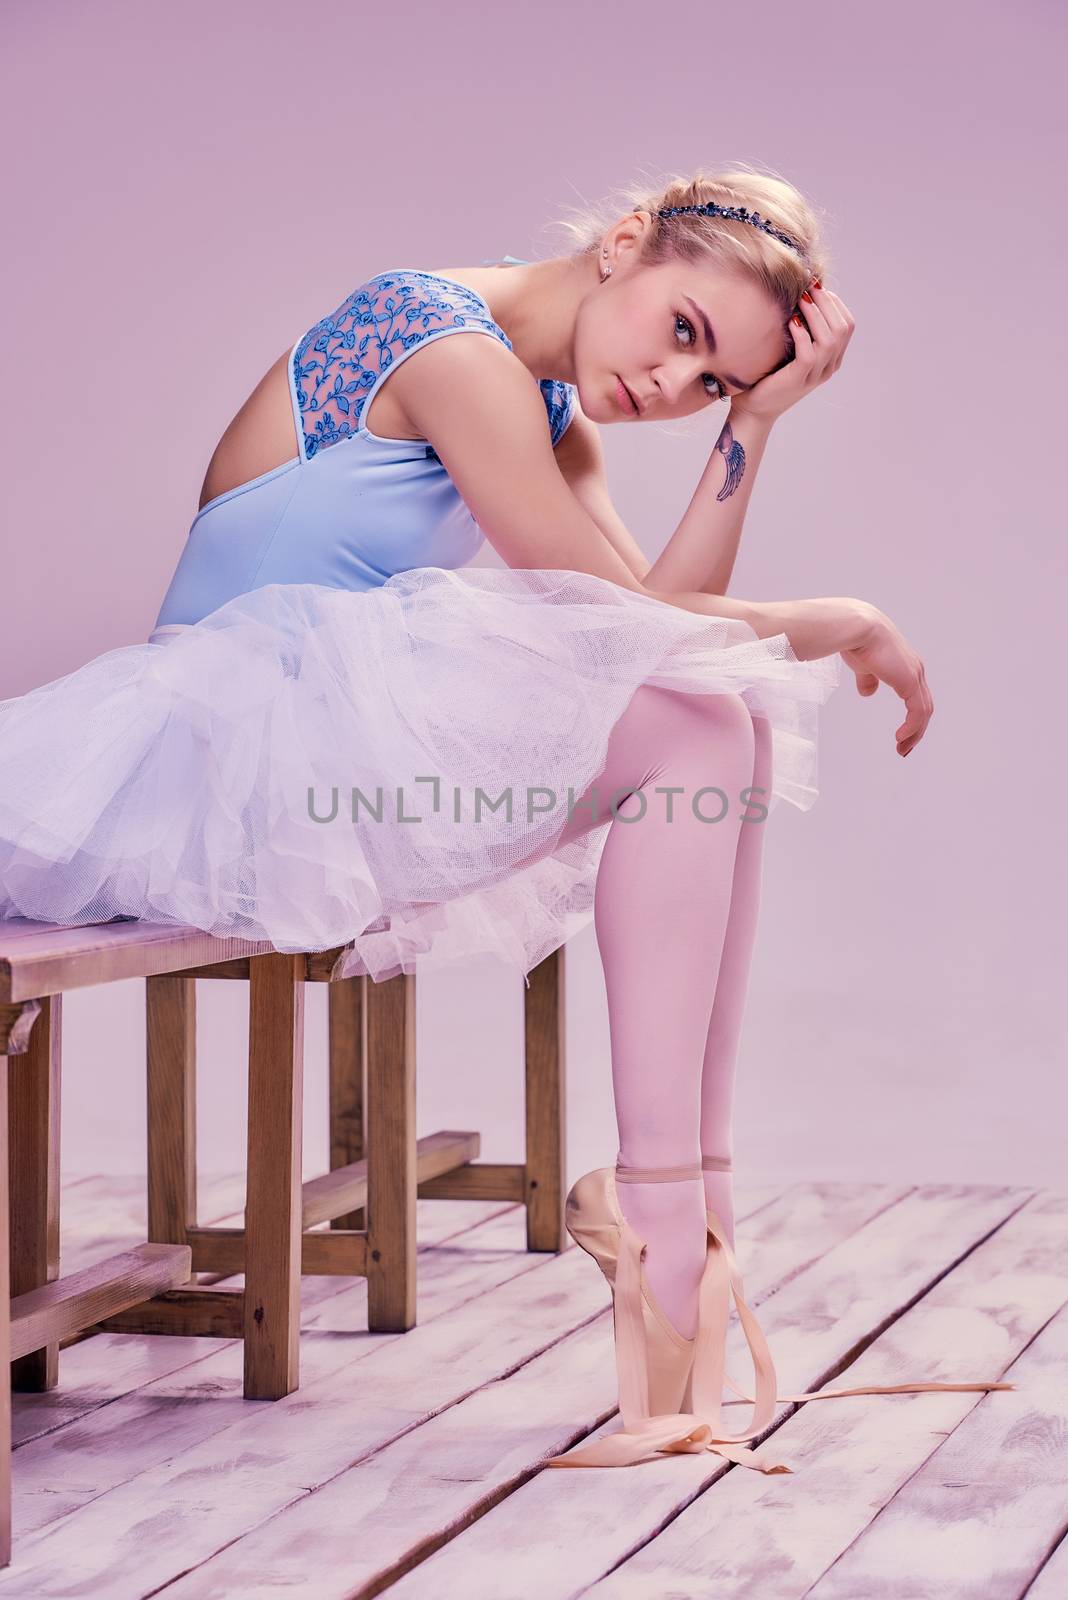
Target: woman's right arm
484,414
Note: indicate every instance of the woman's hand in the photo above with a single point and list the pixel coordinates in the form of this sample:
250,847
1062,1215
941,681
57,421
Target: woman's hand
884,655
867,642
859,632
820,342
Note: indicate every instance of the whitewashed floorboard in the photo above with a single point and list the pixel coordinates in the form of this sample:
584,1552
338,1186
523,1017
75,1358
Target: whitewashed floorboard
145,1531
233,1472
782,1536
1051,1581
560,1543
97,1370
389,1512
420,1452
191,1388
377,1519
99,1215
114,1206
979,1517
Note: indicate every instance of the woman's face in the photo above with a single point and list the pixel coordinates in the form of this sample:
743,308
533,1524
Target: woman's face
646,327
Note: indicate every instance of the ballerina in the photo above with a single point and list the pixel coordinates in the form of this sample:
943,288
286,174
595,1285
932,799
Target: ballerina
341,734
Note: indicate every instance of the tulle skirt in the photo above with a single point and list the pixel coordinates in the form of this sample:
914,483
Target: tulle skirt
387,770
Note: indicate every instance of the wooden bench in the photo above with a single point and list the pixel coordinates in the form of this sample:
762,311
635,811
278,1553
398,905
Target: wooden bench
367,1199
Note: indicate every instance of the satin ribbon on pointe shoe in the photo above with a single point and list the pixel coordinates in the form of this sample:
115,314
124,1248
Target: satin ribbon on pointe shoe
688,1433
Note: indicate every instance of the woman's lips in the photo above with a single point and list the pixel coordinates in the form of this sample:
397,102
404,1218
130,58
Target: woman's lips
623,396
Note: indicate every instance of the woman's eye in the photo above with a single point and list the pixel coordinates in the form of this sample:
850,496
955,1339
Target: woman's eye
688,325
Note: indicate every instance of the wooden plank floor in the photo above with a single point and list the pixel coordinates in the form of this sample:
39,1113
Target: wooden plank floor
410,1463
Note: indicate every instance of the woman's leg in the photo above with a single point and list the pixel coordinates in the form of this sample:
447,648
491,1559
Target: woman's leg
661,908
728,1008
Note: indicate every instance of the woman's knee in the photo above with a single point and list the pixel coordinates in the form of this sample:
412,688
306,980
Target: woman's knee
663,725
657,699
729,712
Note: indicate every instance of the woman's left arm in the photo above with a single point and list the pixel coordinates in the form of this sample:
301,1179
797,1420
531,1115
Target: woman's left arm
700,554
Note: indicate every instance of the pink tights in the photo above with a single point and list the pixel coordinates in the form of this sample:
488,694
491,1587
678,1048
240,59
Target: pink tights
675,913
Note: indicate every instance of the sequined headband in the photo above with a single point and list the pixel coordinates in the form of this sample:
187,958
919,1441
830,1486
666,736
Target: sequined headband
738,214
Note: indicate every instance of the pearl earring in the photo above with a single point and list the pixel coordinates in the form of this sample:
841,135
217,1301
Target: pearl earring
606,272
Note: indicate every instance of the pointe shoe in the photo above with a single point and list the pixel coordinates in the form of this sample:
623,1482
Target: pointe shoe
596,1223
652,1357
669,1388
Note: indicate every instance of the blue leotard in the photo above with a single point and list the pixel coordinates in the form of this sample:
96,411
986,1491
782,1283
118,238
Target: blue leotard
351,508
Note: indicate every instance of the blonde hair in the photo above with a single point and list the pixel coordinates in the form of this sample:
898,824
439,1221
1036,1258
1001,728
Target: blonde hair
726,243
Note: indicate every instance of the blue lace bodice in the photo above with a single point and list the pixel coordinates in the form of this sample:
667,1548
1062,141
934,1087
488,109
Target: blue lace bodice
339,363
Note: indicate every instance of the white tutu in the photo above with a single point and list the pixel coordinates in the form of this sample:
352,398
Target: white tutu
212,779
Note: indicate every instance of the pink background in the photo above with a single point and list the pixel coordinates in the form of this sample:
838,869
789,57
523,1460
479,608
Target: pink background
190,187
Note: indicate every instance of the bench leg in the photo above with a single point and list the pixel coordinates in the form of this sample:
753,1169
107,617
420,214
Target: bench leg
33,1180
391,1154
170,1058
274,1199
545,1104
346,1007
5,1325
